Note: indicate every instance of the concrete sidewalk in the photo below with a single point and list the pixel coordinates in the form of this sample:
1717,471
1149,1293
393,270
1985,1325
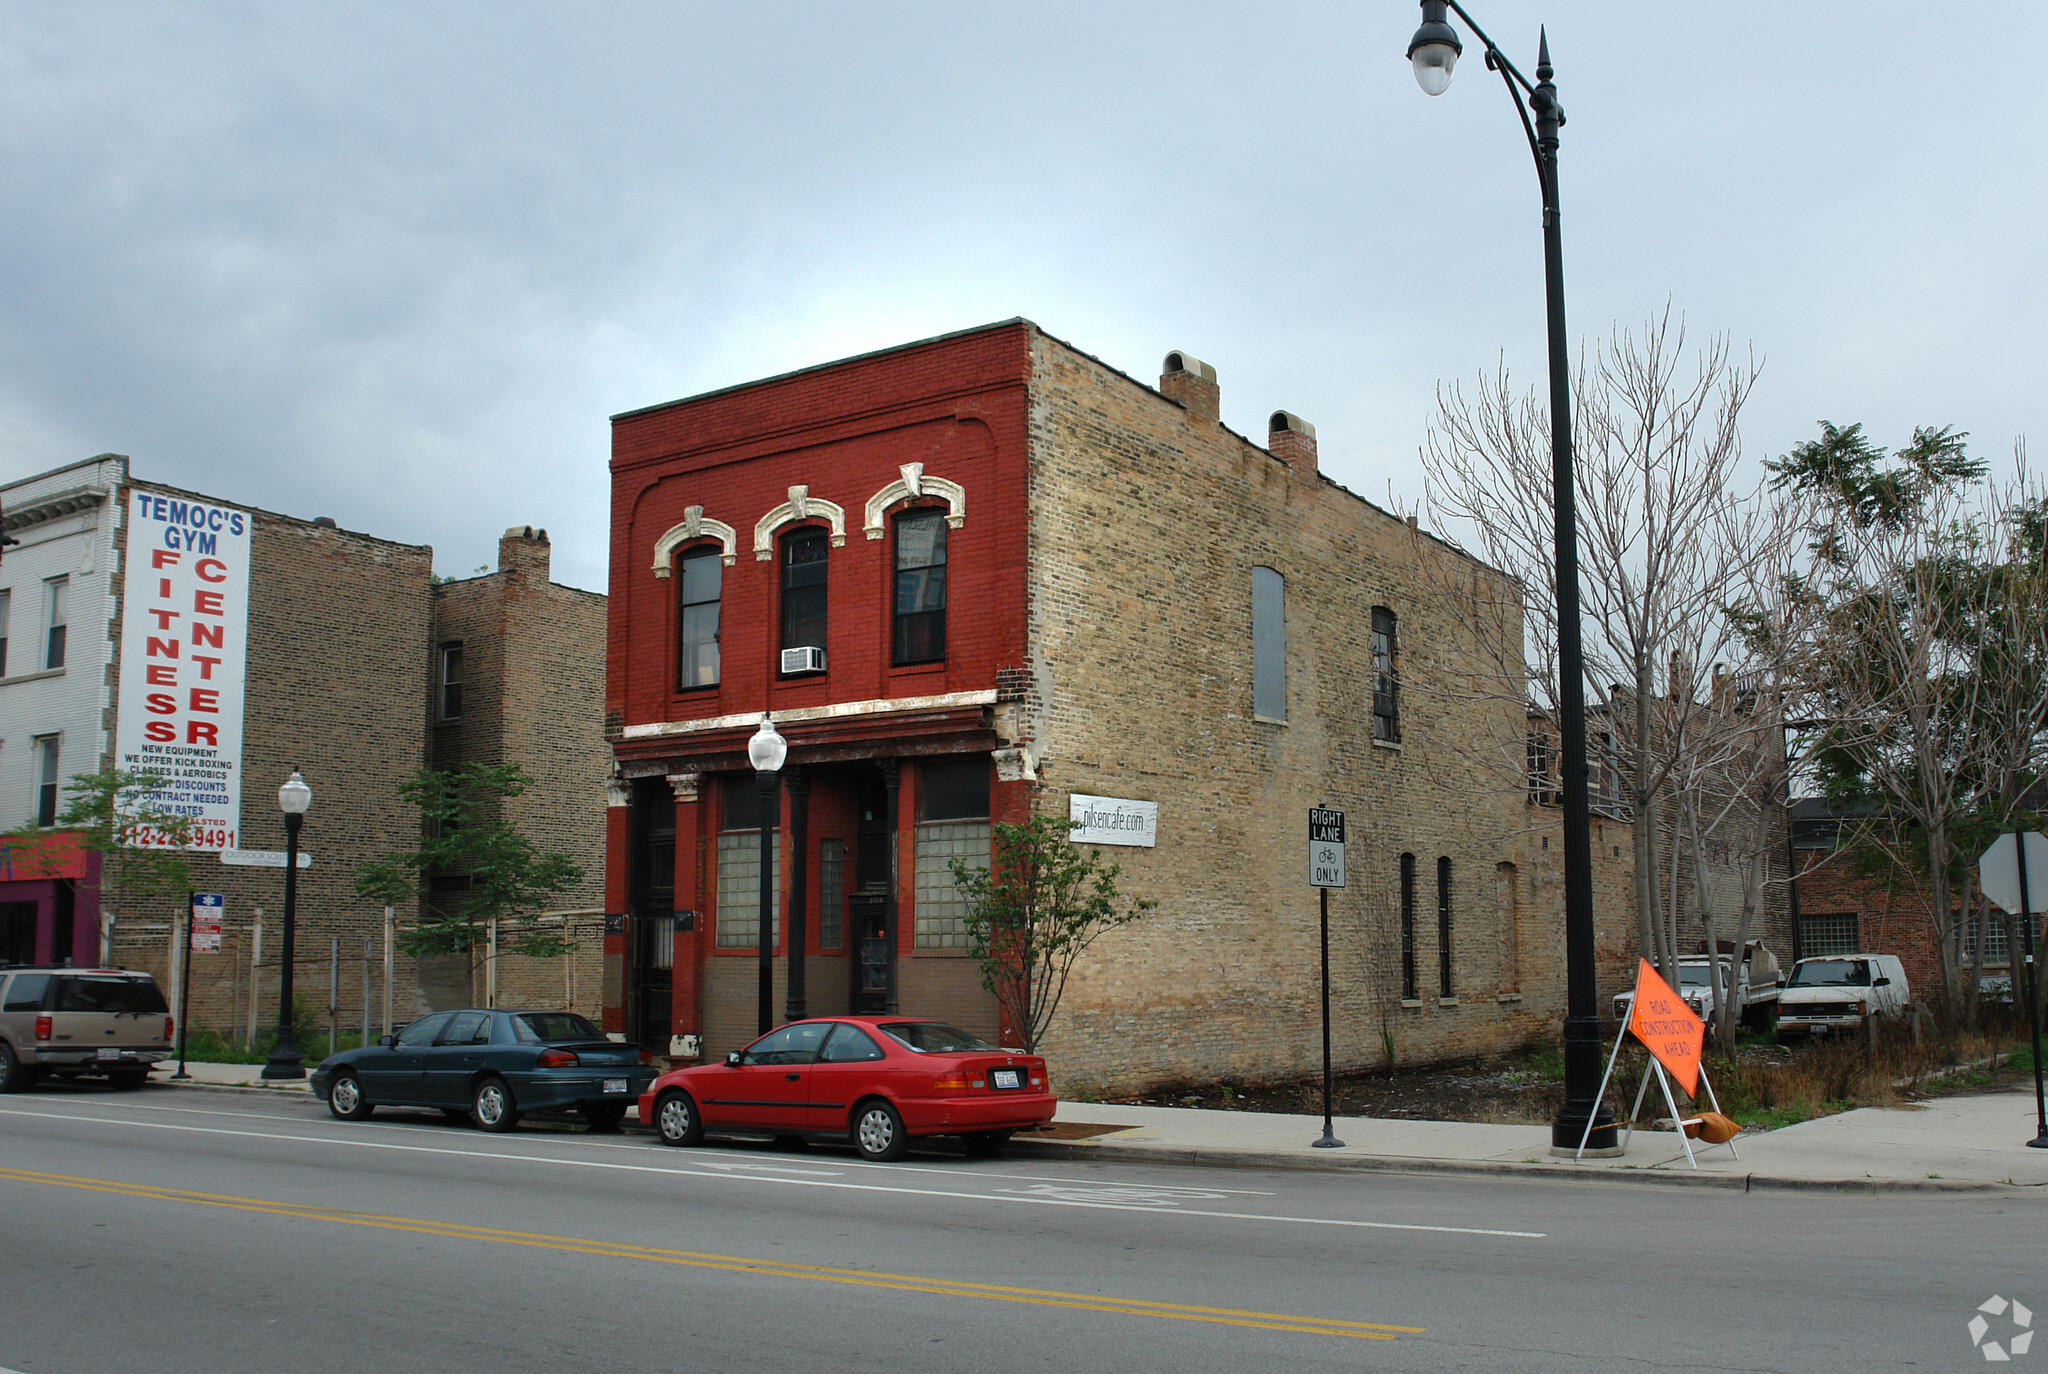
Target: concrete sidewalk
1965,1143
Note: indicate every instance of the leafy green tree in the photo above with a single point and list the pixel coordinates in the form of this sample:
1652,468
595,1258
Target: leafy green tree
1927,719
502,875
1033,913
140,844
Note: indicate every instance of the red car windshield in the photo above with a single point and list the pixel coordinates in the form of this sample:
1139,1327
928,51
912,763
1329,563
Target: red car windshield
929,1037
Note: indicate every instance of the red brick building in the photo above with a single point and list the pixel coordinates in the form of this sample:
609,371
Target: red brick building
986,572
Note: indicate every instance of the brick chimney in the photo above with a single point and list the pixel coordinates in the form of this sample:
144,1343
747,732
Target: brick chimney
1192,382
524,549
1292,440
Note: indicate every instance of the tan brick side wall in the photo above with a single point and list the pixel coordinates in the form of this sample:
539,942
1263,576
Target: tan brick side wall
1150,520
946,989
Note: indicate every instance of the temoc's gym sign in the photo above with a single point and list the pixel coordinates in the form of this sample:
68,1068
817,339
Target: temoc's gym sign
184,660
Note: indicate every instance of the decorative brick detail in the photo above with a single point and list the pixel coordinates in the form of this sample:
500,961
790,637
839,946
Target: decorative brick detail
800,506
914,483
694,525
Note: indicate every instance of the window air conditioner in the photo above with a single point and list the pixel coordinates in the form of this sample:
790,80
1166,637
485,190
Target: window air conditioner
809,659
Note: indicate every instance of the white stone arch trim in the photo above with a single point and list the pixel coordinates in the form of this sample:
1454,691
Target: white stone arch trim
801,505
695,526
915,483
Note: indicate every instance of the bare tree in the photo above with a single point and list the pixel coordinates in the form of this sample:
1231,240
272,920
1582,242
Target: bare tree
1671,544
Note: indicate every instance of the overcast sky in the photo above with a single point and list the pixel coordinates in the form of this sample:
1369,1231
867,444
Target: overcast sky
397,264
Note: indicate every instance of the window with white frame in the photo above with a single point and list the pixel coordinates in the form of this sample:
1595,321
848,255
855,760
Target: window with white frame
55,593
45,764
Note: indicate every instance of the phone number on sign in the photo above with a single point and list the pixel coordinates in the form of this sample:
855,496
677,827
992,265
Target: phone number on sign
142,837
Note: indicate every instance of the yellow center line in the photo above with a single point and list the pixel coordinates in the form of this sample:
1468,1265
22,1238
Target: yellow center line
909,1283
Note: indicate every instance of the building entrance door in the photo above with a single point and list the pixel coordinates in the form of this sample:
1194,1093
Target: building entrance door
654,956
17,932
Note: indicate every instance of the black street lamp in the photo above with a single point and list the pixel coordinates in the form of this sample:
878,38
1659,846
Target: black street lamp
293,799
766,751
1434,52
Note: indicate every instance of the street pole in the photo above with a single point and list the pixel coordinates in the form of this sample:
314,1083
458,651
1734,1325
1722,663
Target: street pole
1329,1140
1434,52
765,989
2033,976
293,798
799,788
185,991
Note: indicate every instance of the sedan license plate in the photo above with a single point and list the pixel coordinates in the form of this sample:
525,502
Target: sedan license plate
615,1085
110,1053
1006,1078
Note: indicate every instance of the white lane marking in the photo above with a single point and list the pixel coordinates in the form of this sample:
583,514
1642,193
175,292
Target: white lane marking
1136,1194
771,1179
750,1167
423,1122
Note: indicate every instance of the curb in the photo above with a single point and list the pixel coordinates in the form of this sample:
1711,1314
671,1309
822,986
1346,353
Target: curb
301,1088
1381,1164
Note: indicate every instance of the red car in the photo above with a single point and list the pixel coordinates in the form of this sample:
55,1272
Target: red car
879,1080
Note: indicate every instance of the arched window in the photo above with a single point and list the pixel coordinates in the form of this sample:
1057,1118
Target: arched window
920,620
1410,991
699,589
803,588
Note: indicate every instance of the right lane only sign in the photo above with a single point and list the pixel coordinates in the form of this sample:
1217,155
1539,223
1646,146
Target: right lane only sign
1325,847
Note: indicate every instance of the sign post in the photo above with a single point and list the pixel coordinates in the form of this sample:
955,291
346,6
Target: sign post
1325,871
2004,873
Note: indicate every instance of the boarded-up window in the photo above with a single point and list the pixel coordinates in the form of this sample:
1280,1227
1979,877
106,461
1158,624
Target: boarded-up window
1269,644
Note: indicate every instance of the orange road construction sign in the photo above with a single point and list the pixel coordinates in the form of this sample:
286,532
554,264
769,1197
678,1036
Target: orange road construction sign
1667,1027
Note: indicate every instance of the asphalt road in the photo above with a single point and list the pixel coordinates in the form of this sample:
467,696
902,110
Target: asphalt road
191,1231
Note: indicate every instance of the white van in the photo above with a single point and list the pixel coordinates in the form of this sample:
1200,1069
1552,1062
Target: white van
1835,993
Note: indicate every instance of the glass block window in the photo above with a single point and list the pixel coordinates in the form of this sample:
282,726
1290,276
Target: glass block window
831,893
940,906
739,890
1827,933
1997,942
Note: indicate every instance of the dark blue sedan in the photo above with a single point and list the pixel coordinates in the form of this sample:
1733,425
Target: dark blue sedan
496,1066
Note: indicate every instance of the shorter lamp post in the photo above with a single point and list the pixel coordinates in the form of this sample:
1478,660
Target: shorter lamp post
766,751
293,799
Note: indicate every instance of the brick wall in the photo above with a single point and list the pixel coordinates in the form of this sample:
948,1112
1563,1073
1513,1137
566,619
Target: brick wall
1147,519
533,694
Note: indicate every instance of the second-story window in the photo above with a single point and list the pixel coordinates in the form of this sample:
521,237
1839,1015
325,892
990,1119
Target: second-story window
1386,681
451,682
54,596
1269,644
920,629
697,645
803,589
46,779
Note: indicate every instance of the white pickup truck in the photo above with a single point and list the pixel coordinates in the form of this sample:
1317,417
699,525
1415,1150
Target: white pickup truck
1834,994
1756,993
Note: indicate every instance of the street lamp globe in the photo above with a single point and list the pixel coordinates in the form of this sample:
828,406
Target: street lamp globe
1434,51
294,798
767,749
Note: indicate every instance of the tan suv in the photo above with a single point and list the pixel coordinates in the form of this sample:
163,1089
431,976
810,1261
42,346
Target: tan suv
71,1021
